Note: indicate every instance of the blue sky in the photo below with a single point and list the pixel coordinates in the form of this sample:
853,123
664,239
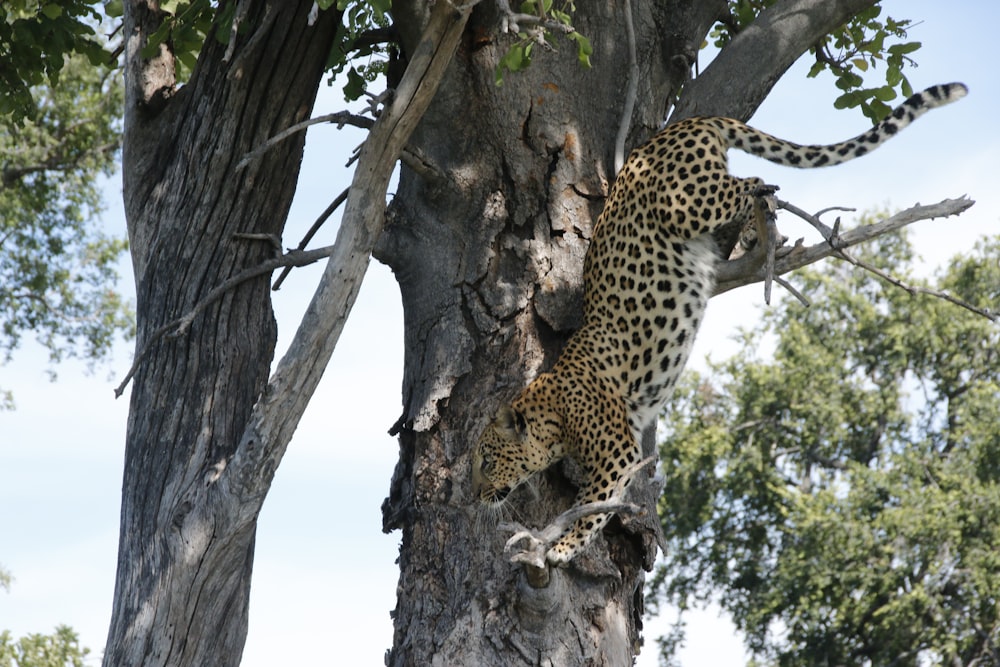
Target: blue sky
324,573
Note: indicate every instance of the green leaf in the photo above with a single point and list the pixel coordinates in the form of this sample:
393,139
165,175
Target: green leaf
583,48
53,11
355,86
849,100
114,8
903,49
885,93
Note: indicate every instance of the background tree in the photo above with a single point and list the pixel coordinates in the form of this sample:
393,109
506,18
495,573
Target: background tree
60,127
60,649
841,500
486,235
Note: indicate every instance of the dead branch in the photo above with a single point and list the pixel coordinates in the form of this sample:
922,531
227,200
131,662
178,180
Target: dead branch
179,326
916,289
323,217
745,271
533,545
511,22
341,118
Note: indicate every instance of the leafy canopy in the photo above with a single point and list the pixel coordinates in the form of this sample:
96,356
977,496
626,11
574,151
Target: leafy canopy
36,38
57,268
841,501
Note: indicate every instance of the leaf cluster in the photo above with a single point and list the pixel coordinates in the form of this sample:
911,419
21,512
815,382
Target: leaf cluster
60,649
57,270
364,59
842,500
36,38
519,55
859,48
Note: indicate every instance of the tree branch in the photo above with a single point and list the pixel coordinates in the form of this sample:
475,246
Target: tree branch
320,221
341,118
179,326
743,73
283,401
736,274
533,545
511,22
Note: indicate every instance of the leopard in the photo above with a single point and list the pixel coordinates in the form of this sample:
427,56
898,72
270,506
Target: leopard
648,275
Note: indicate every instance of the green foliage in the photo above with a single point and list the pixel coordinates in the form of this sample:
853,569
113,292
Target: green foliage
842,500
363,59
57,270
860,47
518,56
36,37
185,27
60,649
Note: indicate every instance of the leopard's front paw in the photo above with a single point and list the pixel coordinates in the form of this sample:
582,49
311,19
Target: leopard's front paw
560,554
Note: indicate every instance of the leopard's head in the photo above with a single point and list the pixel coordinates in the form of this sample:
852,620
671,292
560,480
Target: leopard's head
523,438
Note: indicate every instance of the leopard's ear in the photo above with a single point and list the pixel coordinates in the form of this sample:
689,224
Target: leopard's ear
511,423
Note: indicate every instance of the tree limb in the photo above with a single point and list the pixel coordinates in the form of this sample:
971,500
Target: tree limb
731,275
341,118
529,547
179,326
739,78
283,401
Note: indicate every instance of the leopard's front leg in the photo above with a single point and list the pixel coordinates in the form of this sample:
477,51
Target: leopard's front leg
610,457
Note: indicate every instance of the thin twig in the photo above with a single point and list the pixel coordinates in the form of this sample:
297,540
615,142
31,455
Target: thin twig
539,542
341,118
630,92
915,289
511,21
794,292
180,325
323,217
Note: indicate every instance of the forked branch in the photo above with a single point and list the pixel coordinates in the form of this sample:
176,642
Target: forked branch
739,273
529,547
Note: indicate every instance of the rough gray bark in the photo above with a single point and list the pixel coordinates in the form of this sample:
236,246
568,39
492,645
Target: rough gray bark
187,527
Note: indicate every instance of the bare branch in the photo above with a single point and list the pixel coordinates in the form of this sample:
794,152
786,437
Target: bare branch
631,91
533,545
511,21
179,326
916,289
323,217
731,275
341,118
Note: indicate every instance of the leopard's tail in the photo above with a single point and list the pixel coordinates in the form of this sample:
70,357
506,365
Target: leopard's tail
759,143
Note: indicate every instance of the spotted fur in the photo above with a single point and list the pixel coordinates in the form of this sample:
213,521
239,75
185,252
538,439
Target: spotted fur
648,275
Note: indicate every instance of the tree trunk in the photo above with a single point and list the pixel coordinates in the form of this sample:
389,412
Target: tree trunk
187,527
488,256
487,243
489,259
